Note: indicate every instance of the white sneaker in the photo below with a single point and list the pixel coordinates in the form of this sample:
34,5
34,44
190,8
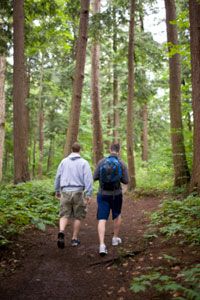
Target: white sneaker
103,250
116,241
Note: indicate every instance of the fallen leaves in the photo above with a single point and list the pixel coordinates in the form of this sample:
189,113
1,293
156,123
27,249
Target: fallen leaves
121,290
176,268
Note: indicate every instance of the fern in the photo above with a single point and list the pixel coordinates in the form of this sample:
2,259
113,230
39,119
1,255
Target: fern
26,204
189,288
179,217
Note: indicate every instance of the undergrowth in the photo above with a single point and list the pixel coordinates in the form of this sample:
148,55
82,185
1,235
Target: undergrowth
179,217
185,286
154,175
31,203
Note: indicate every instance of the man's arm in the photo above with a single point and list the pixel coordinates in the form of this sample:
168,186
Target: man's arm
57,179
97,170
125,178
88,180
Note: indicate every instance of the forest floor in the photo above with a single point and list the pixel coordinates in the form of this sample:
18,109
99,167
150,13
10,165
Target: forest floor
34,268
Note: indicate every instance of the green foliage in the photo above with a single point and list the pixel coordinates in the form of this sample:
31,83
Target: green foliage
157,173
169,257
180,217
51,30
188,288
5,26
47,27
25,204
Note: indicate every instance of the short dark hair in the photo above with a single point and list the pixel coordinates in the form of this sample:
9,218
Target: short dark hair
76,147
115,147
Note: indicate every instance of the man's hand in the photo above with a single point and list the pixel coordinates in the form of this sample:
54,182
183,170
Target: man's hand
88,200
58,195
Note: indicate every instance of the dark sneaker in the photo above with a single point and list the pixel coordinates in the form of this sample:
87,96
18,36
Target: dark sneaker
61,240
75,243
103,250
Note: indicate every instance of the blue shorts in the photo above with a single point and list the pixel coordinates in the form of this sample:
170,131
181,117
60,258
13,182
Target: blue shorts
107,203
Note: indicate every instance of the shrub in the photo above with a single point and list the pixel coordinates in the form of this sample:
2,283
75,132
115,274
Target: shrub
25,204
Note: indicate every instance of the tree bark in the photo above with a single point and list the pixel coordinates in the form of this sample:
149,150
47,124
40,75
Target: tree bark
21,172
34,152
2,110
41,121
95,95
50,154
144,135
144,113
115,82
181,171
73,126
6,159
109,131
41,141
129,138
194,13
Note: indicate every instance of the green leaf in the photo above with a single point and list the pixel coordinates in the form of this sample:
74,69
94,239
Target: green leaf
41,226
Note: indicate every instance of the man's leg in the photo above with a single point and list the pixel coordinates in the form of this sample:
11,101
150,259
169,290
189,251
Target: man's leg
101,231
61,237
102,216
63,223
116,212
76,229
79,213
65,211
117,224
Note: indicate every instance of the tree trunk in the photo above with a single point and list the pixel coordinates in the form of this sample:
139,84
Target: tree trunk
189,122
41,122
115,82
34,152
21,172
5,160
95,95
50,154
144,135
181,171
2,110
41,140
194,13
129,139
73,126
144,112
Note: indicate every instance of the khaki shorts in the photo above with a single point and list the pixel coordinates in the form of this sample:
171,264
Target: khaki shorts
72,205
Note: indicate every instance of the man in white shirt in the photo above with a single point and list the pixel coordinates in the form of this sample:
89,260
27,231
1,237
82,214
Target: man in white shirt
73,187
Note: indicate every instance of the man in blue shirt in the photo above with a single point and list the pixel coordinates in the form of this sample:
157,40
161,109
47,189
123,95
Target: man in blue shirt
73,187
109,198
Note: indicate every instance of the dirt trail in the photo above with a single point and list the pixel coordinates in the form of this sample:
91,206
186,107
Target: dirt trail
46,272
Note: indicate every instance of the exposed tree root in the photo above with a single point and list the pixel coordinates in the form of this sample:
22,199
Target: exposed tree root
117,260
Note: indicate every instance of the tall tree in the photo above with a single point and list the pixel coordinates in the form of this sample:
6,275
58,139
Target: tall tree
181,171
2,109
129,137
144,134
115,80
73,126
41,119
95,93
144,110
21,172
50,153
194,13
4,41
